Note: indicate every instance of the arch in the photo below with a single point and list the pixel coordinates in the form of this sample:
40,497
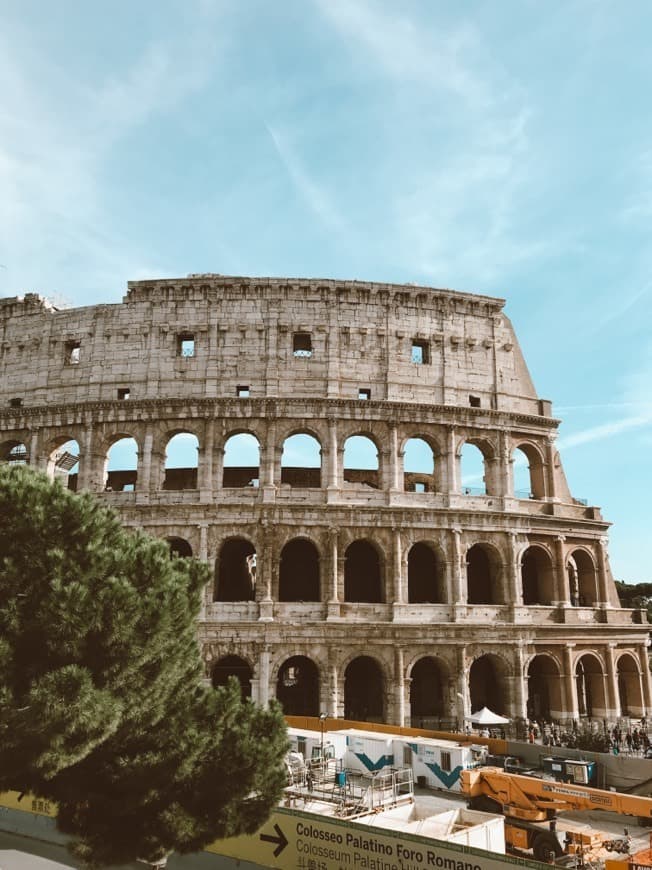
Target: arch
301,461
362,573
418,466
232,666
63,463
181,461
14,453
425,575
361,461
544,688
364,690
487,684
241,460
122,465
297,687
483,575
537,576
427,692
629,686
299,571
473,471
235,571
589,678
582,579
528,472
179,547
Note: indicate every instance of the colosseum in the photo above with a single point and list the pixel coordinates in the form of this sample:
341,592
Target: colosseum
370,474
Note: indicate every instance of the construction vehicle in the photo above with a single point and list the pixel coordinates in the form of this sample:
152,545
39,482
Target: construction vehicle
531,806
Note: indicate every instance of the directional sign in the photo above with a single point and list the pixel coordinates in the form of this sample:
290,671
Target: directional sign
280,839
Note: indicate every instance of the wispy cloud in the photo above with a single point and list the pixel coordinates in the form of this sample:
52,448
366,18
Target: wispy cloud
313,194
606,430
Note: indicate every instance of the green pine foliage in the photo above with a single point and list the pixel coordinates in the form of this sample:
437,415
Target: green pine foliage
103,708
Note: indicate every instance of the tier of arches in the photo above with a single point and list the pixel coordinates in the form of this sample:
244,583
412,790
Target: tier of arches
303,570
180,458
435,693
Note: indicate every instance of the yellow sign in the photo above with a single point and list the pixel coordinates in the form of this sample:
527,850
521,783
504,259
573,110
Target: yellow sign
295,840
27,803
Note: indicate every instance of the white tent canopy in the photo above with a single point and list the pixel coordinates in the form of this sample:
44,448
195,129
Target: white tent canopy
487,717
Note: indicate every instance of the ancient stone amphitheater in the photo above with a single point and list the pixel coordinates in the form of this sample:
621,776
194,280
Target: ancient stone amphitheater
369,471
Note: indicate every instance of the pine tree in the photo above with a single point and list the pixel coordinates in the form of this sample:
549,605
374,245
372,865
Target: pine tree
102,704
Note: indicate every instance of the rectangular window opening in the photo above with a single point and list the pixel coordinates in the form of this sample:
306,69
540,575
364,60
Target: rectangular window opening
474,401
445,761
364,393
302,344
186,344
73,352
419,487
420,352
123,392
242,392
15,403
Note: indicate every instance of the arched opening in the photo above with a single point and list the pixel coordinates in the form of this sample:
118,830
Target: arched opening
473,471
418,466
487,684
362,573
14,453
122,465
232,666
629,687
301,461
235,571
589,679
425,575
483,575
297,687
537,576
582,579
427,703
364,691
527,472
179,547
361,461
63,464
544,690
241,461
181,461
299,571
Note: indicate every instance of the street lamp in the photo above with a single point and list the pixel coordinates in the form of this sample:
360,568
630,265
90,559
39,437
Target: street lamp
322,720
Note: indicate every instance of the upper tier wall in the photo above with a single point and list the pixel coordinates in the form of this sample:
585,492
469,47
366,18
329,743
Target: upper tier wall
244,334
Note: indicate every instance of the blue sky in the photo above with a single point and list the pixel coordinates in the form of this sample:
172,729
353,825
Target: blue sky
498,147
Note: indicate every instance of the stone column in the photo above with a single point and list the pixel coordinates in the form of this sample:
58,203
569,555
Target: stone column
503,469
207,597
334,467
335,707
452,478
459,592
519,701
645,676
85,474
551,485
463,695
514,584
398,591
265,574
269,461
333,604
603,580
612,695
205,482
572,711
263,670
395,466
562,591
146,481
399,686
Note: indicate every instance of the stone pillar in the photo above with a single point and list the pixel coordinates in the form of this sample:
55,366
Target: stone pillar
146,482
514,583
645,676
395,466
397,716
217,482
333,605
85,474
519,700
612,695
459,592
562,591
34,458
335,706
263,670
452,478
398,590
270,453
334,466
205,482
603,579
265,574
503,469
572,711
463,695
549,466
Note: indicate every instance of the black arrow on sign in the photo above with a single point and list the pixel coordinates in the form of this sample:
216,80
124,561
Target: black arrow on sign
280,839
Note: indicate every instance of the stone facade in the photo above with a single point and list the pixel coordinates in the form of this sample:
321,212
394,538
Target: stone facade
383,592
